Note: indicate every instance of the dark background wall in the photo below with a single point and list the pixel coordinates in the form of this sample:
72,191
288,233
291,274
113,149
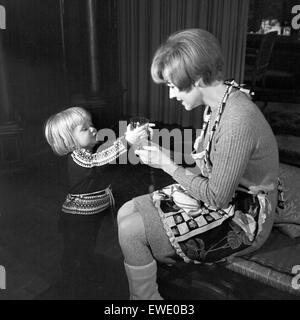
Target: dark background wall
46,50
43,78
33,57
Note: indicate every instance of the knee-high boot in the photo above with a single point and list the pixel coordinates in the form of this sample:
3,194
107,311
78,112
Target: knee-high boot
142,282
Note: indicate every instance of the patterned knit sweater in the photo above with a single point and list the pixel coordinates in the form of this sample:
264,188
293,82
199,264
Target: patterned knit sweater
88,172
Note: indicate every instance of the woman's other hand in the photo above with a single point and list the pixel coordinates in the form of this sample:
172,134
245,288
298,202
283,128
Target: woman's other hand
157,157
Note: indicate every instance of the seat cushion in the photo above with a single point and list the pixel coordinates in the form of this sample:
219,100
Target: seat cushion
287,219
275,263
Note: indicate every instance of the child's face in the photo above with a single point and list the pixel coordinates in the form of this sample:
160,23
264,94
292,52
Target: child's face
85,135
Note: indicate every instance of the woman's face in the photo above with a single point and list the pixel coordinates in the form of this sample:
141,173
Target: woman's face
85,134
189,100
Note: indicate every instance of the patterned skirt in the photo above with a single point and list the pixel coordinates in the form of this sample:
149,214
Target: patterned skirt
200,233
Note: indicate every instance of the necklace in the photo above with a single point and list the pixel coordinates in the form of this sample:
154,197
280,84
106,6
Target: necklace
207,117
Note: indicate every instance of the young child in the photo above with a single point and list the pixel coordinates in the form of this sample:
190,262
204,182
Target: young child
71,132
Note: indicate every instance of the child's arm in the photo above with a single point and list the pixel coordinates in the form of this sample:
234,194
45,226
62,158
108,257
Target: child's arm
102,156
106,154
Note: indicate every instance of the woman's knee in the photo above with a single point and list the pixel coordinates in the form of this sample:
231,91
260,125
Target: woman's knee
125,210
130,222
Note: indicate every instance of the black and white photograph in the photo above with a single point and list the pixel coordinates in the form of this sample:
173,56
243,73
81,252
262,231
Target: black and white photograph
117,118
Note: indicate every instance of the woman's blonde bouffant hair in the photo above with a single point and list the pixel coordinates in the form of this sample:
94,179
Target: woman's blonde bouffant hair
59,129
187,56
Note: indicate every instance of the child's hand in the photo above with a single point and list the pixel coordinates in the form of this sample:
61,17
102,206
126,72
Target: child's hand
135,135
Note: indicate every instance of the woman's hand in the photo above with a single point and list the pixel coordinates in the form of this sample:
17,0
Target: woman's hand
157,157
134,136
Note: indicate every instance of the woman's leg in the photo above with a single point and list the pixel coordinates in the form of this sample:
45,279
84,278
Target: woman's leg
140,266
133,240
132,236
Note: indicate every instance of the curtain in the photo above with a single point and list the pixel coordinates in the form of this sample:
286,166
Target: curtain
144,24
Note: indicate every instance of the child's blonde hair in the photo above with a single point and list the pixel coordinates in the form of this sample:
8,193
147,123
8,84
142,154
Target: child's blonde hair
59,129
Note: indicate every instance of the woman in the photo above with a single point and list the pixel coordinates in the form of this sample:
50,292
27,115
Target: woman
231,203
